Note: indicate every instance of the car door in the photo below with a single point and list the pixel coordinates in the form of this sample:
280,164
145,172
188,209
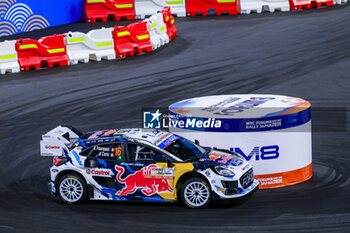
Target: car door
145,175
101,162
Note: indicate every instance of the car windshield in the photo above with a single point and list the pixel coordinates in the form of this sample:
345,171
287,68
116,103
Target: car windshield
185,150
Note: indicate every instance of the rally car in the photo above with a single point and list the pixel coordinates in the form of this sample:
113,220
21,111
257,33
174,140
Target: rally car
142,165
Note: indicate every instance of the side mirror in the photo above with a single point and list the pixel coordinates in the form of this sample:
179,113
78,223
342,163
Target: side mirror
196,142
91,163
170,163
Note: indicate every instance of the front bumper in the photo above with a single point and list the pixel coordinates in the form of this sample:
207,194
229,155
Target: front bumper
233,187
52,189
222,193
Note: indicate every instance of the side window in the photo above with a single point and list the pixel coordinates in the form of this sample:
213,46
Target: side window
141,153
113,151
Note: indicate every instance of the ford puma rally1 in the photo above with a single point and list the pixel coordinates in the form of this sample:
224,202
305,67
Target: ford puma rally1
142,165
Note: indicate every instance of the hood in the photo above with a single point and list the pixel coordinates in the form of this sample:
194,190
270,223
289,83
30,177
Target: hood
220,158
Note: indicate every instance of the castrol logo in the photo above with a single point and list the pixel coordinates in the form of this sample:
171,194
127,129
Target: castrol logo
98,172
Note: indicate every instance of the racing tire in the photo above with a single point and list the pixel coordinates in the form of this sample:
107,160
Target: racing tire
72,188
196,193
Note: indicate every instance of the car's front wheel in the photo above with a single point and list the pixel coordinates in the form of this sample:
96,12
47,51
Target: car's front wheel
72,188
195,193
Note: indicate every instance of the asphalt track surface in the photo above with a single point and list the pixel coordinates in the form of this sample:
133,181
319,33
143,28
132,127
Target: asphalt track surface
304,54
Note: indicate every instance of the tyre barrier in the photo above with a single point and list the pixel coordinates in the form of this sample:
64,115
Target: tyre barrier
94,10
94,45
144,8
272,132
8,57
99,44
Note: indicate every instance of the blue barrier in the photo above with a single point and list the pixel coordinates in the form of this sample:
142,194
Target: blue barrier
17,16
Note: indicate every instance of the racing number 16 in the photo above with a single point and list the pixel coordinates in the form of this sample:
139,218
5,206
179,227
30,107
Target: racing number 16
118,151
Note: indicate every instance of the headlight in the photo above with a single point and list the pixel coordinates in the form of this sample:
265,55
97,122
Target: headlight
223,171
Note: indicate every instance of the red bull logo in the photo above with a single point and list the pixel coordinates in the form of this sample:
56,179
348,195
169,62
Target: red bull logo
138,179
214,157
225,159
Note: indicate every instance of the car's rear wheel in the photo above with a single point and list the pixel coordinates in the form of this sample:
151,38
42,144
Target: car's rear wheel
72,188
196,193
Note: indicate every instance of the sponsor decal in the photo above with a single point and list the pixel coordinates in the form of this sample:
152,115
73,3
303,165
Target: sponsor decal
236,161
54,170
152,119
262,124
96,134
217,106
244,105
162,138
159,172
109,132
138,180
247,180
220,158
98,172
214,157
52,147
259,153
220,189
172,138
225,158
160,119
271,180
245,167
193,122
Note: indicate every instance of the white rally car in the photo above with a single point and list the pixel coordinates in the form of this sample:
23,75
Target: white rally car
142,165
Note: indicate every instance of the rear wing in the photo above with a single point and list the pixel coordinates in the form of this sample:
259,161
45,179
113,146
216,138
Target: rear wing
58,140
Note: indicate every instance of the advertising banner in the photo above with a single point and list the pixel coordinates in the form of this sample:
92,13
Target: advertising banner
272,132
18,16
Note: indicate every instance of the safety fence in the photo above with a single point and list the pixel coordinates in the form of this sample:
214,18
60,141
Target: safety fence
102,10
74,47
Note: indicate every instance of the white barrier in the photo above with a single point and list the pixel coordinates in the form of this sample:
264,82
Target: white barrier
272,132
95,45
249,6
8,57
339,2
273,5
145,8
157,31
